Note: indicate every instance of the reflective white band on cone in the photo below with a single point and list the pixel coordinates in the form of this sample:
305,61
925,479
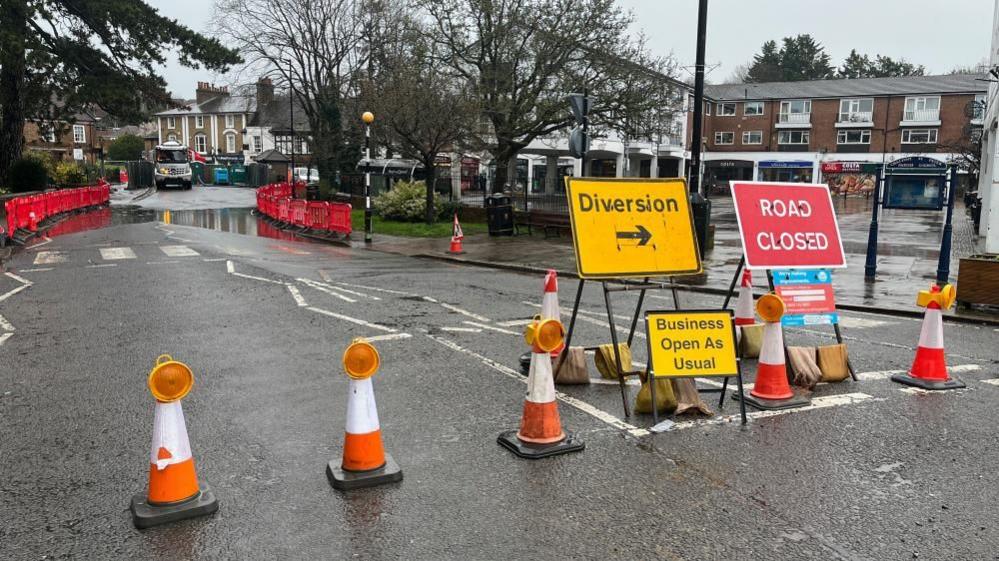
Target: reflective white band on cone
169,433
362,414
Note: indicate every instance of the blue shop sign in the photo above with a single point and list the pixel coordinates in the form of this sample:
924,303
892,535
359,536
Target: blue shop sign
785,164
915,182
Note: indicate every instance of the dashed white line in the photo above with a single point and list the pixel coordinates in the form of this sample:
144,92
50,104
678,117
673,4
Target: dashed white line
37,270
513,323
13,291
21,280
178,251
462,329
47,241
388,337
214,259
165,262
231,268
569,400
4,337
351,320
491,328
885,374
463,312
114,253
101,265
349,291
49,258
817,403
373,288
323,288
6,325
297,295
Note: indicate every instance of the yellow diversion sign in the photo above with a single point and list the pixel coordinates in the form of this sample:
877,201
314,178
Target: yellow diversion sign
631,227
691,343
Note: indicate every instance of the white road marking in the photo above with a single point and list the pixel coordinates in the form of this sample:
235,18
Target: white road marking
6,325
921,391
388,337
231,268
606,382
13,291
178,251
234,251
584,317
21,280
167,262
885,374
569,400
817,403
491,328
214,259
4,337
47,241
49,258
297,295
461,311
101,265
993,381
113,253
462,329
513,323
374,288
850,322
37,269
322,288
317,284
351,320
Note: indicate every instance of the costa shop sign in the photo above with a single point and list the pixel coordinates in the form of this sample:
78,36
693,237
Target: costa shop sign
787,225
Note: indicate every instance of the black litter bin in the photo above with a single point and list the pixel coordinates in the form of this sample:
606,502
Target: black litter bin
499,214
700,207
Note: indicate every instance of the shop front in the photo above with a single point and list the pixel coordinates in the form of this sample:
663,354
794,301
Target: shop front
915,183
717,173
850,178
792,171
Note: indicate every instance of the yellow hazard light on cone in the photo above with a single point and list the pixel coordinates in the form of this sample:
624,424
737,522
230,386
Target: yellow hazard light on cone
546,334
770,307
170,380
948,294
361,359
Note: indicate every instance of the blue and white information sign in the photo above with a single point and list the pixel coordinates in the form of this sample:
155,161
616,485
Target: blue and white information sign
807,295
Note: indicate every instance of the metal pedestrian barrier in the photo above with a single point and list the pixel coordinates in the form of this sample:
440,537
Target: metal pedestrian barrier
275,201
25,213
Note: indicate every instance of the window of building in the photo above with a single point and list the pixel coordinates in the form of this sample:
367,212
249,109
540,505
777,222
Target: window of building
752,108
47,132
795,111
724,138
79,134
922,108
856,110
752,137
793,137
258,145
171,138
978,109
201,143
853,137
919,136
726,109
230,121
171,123
303,147
976,134
707,108
230,143
199,121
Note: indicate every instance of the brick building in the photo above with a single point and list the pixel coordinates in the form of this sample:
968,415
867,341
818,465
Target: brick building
214,123
75,139
836,131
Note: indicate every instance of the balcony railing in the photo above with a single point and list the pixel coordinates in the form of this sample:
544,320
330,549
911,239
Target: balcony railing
795,118
856,117
922,115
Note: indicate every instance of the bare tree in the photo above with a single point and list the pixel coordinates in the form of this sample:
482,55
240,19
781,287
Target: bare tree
522,57
314,48
420,109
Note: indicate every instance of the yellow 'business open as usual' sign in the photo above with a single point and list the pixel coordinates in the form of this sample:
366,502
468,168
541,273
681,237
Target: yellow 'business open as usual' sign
631,228
691,343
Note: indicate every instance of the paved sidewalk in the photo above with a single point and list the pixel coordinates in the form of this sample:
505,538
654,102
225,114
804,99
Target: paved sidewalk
908,251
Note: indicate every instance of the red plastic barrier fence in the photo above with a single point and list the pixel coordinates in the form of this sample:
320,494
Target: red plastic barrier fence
275,200
27,211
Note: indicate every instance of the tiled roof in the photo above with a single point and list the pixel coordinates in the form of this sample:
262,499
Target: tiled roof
905,85
218,104
276,115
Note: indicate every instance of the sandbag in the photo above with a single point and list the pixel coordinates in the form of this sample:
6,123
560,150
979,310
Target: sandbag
804,370
751,340
832,362
573,369
606,365
665,398
688,398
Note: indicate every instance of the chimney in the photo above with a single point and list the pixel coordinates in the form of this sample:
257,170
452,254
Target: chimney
265,92
206,91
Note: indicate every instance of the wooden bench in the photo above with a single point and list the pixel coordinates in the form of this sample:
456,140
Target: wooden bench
548,222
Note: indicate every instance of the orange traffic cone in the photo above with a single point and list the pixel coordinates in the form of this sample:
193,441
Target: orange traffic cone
541,433
771,389
174,490
744,314
549,310
929,369
365,462
456,236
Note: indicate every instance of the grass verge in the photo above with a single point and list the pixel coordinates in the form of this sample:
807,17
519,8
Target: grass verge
438,229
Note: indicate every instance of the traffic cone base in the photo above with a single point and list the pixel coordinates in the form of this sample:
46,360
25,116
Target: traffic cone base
531,451
771,389
910,380
456,248
796,400
345,480
147,515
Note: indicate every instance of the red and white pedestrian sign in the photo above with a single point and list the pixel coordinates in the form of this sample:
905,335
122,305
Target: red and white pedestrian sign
787,225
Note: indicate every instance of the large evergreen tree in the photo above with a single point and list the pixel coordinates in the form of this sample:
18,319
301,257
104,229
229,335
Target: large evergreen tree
799,58
861,66
58,57
766,65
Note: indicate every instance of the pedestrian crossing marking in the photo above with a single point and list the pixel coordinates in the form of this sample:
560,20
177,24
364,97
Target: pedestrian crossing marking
49,258
178,251
113,253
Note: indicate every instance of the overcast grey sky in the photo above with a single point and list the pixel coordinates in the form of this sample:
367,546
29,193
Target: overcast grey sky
939,34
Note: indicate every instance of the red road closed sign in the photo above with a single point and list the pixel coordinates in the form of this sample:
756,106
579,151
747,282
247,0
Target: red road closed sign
787,225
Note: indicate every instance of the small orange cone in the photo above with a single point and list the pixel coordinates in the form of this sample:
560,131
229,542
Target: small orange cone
549,304
929,369
744,314
541,434
456,236
365,462
771,389
174,490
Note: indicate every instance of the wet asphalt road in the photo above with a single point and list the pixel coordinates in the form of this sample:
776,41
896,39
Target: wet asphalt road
871,472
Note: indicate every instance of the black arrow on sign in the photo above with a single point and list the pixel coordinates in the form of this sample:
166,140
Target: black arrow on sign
642,235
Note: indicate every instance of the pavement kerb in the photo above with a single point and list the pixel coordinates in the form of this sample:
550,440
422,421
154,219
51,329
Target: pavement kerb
709,290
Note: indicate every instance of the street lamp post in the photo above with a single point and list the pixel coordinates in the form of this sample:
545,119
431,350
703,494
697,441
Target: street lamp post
368,117
943,264
291,123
